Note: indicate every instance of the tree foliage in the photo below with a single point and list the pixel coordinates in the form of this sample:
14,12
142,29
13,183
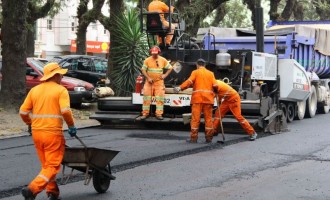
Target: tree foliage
129,52
237,15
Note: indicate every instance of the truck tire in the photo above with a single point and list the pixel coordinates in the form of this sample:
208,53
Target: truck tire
301,108
291,112
311,103
323,108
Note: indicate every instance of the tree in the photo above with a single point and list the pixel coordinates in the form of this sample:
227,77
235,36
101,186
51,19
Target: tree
14,31
35,12
128,52
197,11
322,8
237,15
116,7
85,17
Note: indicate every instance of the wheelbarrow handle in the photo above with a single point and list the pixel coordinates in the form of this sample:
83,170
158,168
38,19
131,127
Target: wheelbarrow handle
80,141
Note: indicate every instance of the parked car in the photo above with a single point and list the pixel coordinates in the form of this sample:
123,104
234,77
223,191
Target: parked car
88,68
79,91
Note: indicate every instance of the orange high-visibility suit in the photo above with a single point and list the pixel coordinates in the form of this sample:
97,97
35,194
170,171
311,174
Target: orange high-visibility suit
158,6
45,107
230,101
202,100
154,68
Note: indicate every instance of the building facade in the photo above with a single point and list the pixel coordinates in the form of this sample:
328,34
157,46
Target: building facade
56,35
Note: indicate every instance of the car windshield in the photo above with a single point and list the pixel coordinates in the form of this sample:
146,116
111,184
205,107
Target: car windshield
100,65
37,64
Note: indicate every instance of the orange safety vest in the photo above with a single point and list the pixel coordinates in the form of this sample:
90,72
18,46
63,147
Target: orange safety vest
203,82
225,91
161,7
155,68
46,105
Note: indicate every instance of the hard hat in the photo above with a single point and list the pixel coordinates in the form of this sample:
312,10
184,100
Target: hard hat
51,69
155,50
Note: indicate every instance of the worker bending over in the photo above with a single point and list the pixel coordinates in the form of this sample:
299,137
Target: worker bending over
230,100
202,99
161,7
44,108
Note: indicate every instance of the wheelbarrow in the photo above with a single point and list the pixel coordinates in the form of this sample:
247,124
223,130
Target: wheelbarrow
93,162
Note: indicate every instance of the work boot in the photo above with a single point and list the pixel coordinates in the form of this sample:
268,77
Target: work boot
159,117
143,117
27,193
52,196
191,141
253,136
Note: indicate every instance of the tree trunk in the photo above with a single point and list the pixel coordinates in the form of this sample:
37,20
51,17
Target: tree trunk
288,9
116,7
221,13
297,11
30,43
81,39
13,86
273,15
251,4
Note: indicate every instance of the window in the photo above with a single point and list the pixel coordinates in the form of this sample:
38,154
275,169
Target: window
105,31
100,65
49,24
72,26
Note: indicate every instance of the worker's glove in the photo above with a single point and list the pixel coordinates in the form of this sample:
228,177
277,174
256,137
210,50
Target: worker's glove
72,131
177,89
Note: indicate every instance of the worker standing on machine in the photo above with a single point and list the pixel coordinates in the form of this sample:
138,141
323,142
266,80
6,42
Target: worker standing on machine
230,100
161,7
45,107
153,71
202,100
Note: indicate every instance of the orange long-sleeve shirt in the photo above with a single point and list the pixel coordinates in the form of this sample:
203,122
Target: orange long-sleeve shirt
155,68
225,92
203,82
45,106
158,6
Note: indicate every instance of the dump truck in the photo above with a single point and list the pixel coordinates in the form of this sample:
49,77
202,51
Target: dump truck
285,82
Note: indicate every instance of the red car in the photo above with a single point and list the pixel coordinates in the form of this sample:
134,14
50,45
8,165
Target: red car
79,91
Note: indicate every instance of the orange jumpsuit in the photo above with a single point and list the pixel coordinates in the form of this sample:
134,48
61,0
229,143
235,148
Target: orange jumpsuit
230,101
158,6
45,107
154,68
202,100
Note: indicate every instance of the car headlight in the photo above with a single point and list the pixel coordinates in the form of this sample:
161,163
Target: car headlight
79,89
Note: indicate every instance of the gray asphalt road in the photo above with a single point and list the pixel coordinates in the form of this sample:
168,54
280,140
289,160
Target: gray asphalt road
137,147
292,165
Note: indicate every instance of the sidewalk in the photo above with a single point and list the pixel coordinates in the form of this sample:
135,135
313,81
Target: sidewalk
11,125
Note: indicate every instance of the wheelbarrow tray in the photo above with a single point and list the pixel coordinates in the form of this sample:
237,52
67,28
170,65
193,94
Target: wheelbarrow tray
80,157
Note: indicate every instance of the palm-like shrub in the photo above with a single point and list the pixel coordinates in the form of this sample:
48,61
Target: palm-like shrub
129,50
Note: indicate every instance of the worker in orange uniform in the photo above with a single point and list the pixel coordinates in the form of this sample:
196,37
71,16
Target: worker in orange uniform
153,71
202,99
45,107
161,7
230,100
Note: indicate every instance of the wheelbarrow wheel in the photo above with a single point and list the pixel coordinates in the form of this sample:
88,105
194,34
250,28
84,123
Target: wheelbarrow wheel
101,182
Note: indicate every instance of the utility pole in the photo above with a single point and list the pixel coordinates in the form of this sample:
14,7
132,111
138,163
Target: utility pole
260,27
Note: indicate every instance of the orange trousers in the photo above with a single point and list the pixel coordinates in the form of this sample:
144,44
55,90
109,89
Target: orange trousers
234,105
157,90
50,148
169,36
196,110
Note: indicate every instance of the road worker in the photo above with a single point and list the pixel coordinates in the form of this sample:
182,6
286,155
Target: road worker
153,71
202,100
44,108
231,101
161,7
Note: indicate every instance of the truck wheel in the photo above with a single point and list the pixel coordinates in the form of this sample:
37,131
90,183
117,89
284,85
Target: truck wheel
285,111
323,108
101,182
291,112
301,108
311,104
